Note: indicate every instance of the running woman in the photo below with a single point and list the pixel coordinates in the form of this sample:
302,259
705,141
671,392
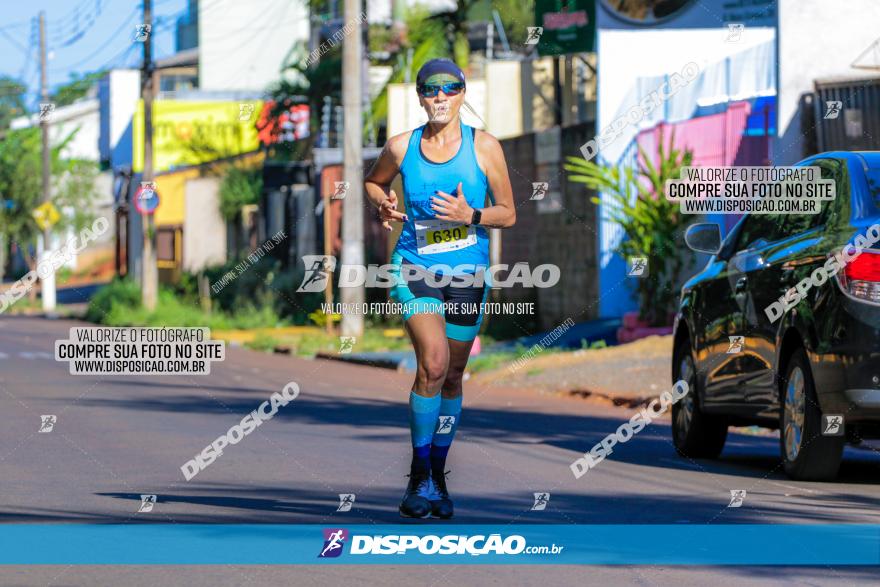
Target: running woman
448,171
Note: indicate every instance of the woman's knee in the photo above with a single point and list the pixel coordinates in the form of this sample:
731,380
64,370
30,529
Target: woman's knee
433,365
452,382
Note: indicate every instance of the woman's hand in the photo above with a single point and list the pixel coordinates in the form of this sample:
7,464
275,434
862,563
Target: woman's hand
388,211
454,208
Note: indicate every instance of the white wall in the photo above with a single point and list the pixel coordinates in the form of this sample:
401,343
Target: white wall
204,230
626,56
818,39
242,45
504,117
119,92
380,10
82,117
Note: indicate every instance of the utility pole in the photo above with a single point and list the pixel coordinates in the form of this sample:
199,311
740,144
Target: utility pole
352,205
47,285
149,270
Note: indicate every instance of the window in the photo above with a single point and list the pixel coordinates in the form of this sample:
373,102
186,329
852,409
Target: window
793,224
874,184
758,230
833,169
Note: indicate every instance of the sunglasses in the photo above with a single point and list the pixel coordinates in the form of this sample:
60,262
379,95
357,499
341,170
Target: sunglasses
431,90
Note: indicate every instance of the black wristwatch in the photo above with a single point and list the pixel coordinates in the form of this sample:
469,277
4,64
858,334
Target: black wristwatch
478,215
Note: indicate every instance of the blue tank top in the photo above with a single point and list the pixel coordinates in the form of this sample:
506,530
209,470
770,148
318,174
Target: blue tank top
426,240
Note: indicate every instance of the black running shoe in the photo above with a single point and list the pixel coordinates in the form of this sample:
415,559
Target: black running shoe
441,505
415,502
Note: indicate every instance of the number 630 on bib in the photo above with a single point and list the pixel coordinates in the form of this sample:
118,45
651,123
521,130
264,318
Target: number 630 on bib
440,236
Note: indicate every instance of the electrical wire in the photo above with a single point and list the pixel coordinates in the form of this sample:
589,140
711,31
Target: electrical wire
128,19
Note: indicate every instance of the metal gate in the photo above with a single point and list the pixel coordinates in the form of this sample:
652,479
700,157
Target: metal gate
847,115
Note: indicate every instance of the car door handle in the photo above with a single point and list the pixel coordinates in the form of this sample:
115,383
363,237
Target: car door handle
794,264
741,284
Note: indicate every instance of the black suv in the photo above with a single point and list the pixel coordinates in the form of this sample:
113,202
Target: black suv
810,368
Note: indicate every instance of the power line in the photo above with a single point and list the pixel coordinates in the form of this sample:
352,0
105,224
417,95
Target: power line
12,40
72,18
32,42
74,26
161,24
15,25
128,19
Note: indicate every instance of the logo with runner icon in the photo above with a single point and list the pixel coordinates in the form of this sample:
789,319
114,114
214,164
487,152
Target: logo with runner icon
638,266
539,190
832,425
245,112
141,32
734,32
534,35
346,500
832,109
318,268
737,497
334,540
47,423
736,343
541,501
444,424
147,503
346,343
339,190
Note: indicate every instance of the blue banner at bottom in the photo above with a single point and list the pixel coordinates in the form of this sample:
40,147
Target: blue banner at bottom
289,544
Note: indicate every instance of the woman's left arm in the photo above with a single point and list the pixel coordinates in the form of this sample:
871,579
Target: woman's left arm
502,214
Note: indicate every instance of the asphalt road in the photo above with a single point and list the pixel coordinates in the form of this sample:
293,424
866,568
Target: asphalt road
117,437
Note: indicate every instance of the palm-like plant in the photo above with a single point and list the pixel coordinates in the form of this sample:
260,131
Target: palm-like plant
454,24
636,201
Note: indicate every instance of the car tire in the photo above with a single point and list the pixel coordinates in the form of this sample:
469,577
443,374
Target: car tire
806,454
695,434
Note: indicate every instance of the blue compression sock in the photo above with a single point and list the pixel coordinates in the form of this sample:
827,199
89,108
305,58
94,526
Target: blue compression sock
447,424
423,413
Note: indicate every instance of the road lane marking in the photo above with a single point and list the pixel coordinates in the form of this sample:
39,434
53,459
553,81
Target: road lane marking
798,488
35,355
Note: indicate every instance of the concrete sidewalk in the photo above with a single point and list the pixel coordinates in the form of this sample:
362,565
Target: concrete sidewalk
624,375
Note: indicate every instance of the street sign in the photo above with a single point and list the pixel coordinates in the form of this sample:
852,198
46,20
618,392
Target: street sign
146,198
564,26
46,215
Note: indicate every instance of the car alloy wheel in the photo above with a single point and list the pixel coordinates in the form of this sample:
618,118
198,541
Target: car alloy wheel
795,408
685,414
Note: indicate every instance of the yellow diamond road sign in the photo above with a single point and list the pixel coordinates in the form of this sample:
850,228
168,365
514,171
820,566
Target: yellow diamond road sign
46,215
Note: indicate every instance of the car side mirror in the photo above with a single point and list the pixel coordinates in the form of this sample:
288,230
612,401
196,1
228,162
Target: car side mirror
703,238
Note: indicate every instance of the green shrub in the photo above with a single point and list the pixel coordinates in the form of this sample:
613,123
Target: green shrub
120,292
119,304
262,286
239,187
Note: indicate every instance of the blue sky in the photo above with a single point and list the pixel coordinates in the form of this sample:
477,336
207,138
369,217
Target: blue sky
75,45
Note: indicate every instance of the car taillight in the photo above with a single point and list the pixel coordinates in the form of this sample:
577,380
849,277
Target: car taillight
861,277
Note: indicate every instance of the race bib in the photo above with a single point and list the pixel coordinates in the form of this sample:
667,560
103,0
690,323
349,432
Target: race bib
440,236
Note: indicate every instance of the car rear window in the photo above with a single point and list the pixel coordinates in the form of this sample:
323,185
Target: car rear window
873,176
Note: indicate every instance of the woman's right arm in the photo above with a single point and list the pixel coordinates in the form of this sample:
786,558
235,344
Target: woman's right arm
378,181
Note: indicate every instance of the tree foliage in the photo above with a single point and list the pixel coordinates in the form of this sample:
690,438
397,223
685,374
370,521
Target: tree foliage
78,87
516,16
72,186
240,186
12,93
